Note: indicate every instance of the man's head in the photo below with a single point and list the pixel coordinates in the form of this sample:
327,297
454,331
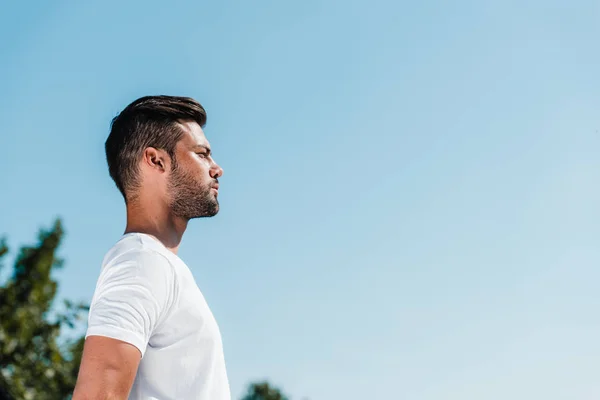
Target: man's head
157,149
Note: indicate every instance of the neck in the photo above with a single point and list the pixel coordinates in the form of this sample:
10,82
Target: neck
155,219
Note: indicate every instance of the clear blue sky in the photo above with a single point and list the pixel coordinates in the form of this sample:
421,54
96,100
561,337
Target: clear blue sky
411,198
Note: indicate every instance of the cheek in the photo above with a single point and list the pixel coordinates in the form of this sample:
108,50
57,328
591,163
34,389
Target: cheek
196,168
202,171
199,174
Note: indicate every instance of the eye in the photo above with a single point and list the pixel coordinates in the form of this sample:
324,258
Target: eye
202,155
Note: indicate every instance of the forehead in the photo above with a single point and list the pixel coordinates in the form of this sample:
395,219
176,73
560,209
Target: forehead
193,134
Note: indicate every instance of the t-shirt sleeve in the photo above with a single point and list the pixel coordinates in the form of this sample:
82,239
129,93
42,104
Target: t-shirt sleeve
131,298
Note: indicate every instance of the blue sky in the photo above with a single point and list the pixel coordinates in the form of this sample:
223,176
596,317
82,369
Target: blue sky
410,204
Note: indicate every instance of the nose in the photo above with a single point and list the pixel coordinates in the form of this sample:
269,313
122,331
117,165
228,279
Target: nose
216,171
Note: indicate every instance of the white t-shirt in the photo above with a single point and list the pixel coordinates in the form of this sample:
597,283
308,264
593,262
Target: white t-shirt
148,297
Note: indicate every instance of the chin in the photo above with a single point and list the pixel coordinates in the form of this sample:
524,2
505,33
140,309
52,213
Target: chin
208,213
212,213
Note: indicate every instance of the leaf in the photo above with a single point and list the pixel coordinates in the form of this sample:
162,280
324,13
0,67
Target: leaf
33,364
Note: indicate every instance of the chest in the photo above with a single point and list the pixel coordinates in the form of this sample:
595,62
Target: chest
190,322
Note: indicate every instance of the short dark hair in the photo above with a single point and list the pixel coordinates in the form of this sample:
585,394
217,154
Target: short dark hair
149,121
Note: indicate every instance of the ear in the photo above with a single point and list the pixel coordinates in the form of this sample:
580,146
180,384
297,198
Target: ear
156,159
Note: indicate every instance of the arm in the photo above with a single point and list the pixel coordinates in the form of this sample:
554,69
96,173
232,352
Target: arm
108,367
132,296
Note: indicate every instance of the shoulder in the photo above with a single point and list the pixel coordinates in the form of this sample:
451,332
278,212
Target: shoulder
133,254
142,263
138,267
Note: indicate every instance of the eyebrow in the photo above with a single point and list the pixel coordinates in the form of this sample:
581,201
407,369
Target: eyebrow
201,146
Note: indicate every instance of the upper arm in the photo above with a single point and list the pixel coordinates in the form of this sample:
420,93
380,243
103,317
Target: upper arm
108,368
131,298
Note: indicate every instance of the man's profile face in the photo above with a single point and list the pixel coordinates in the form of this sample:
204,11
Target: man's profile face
193,182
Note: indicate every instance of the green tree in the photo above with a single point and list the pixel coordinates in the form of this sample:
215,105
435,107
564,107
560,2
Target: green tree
34,362
263,391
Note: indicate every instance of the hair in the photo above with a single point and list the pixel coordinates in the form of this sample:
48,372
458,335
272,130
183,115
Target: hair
149,121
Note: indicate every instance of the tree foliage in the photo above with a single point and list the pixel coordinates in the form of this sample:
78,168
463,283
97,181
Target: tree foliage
34,362
263,391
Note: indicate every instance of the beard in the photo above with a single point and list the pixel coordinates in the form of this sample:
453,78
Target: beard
190,198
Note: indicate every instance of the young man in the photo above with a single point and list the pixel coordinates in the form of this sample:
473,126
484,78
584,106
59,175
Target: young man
151,334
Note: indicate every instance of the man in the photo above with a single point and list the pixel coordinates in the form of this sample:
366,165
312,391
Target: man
151,334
